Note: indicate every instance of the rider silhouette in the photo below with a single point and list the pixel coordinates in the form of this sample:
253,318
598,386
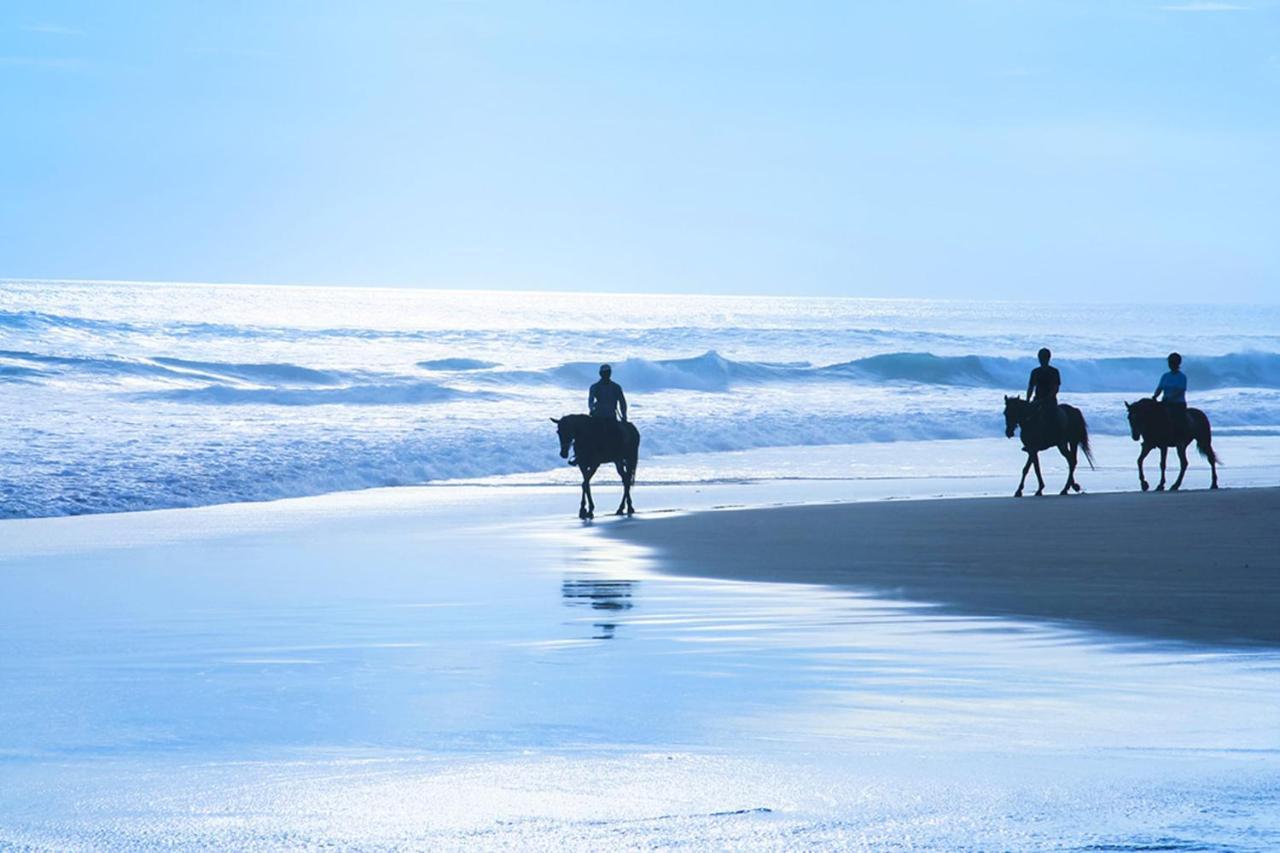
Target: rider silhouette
605,402
1174,387
1045,381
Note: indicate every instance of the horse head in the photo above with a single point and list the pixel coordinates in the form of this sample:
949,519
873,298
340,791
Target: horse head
565,431
1013,409
1138,414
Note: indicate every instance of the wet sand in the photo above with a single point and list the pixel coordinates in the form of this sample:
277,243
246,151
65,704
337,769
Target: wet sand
1192,566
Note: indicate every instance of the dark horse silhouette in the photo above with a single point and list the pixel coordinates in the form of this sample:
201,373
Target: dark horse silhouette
1073,437
1150,423
596,441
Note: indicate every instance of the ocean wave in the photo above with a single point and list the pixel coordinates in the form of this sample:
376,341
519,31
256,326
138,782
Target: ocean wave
135,471
258,373
176,369
393,394
457,364
713,372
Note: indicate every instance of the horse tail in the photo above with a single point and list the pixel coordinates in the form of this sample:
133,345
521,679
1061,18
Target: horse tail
1204,440
1084,441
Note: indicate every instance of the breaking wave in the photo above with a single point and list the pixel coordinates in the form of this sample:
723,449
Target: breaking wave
713,372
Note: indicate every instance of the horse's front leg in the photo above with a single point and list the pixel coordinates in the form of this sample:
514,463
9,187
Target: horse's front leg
1035,463
1023,481
1164,461
1182,470
587,508
1142,478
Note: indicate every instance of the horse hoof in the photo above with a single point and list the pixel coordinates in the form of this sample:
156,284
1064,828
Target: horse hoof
1160,488
1076,486
1039,492
619,512
1174,488
631,512
1214,486
1145,485
1065,492
1018,493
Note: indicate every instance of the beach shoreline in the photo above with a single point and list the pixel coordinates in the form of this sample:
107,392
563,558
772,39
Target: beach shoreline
429,667
1198,567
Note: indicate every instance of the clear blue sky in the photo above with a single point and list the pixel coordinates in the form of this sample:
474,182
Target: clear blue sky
994,148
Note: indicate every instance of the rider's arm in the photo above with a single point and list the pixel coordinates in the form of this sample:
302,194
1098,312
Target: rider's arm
1031,383
591,400
1159,388
622,403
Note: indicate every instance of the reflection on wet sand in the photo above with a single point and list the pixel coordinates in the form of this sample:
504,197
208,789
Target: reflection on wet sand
605,594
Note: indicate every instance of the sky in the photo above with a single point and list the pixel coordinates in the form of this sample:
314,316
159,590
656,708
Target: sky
1107,150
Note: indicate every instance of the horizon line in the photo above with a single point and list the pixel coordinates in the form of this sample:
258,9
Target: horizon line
666,294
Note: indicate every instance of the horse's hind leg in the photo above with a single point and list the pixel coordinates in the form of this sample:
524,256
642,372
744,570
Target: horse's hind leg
1069,453
1142,478
631,481
1182,470
1213,469
1164,460
626,488
1023,481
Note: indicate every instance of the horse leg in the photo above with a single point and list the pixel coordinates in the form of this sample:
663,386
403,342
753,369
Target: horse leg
1068,453
591,502
1164,459
587,508
1213,469
622,475
1023,481
626,487
1142,479
1035,461
1182,470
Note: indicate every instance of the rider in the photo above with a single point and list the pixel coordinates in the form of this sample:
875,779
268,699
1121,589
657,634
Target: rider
606,401
1045,381
1174,387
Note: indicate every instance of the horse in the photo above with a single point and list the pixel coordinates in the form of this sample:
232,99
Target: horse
592,447
1150,424
1074,437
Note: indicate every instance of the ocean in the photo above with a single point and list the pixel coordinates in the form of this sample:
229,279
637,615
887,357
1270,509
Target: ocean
122,396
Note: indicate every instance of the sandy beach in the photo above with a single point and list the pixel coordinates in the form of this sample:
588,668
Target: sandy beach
1193,566
473,667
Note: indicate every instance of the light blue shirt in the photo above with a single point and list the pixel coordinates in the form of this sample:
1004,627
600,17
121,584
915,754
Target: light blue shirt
1174,386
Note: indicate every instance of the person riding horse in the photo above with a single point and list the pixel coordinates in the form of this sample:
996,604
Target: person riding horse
1045,382
1173,385
607,403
